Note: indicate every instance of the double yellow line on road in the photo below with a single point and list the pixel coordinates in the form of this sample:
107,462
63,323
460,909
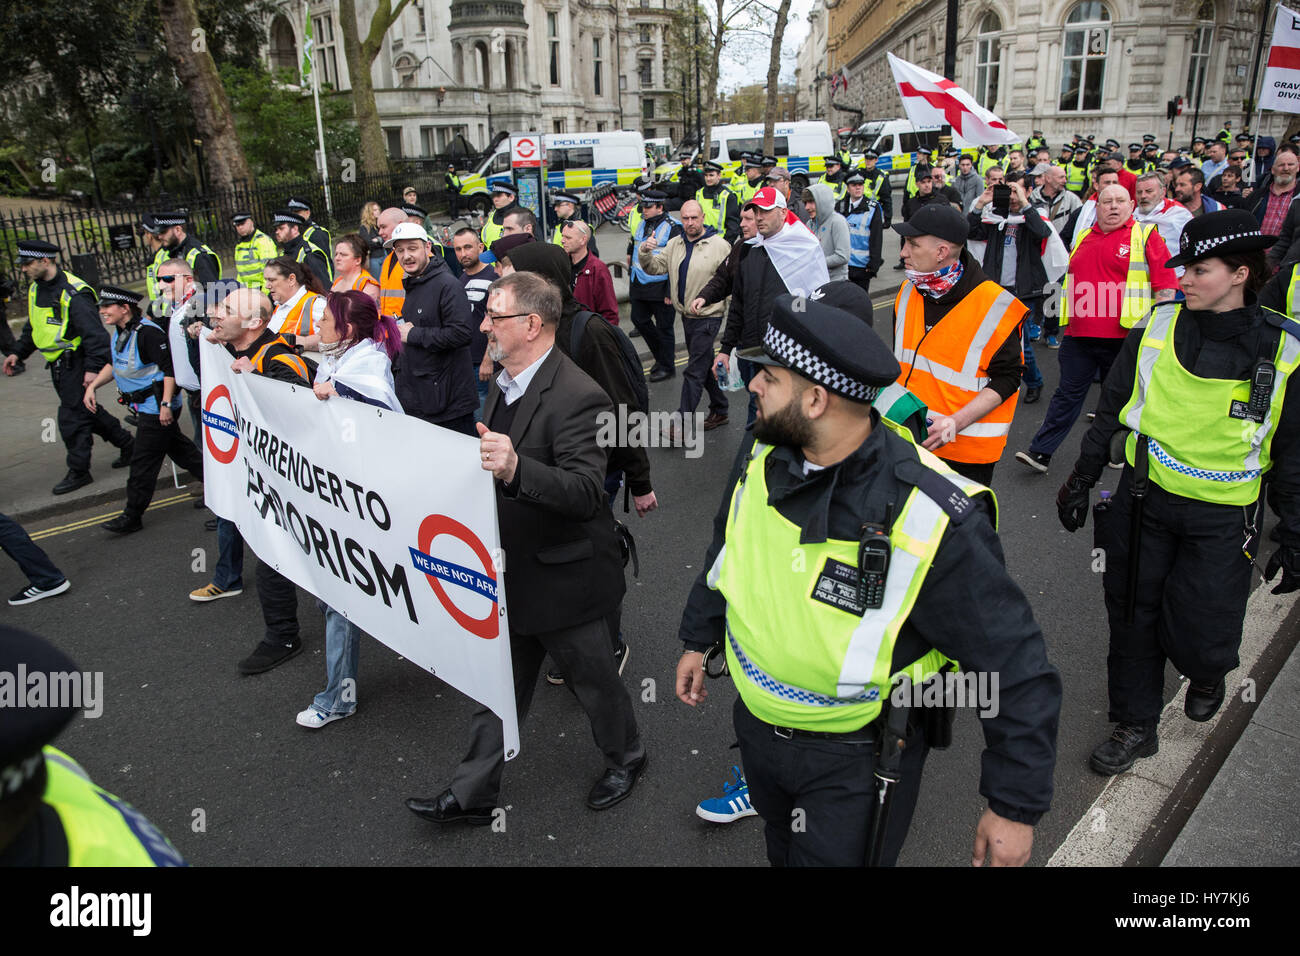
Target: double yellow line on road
90,522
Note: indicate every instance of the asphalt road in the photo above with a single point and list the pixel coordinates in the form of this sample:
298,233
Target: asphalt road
216,760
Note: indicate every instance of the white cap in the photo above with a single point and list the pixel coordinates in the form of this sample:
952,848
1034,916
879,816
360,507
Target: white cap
407,230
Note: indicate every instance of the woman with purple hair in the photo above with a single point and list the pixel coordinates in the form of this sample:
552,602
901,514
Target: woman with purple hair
358,346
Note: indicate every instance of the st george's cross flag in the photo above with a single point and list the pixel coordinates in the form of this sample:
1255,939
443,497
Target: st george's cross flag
1281,89
930,100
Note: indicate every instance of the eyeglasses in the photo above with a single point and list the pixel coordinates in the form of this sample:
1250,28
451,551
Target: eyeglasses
514,315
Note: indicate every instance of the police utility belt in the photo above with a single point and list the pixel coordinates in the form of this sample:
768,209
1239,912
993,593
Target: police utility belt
143,395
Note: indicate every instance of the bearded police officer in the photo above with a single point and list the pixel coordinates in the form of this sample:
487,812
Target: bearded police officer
63,324
142,366
1197,406
203,262
253,251
889,547
288,234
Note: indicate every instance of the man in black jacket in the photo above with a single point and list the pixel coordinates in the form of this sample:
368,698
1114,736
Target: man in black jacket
203,262
435,380
63,323
288,236
540,444
239,323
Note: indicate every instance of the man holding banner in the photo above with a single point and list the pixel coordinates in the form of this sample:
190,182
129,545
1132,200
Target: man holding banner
240,324
564,572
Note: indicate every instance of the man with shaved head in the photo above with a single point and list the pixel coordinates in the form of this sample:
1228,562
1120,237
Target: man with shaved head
239,322
392,295
1117,272
689,260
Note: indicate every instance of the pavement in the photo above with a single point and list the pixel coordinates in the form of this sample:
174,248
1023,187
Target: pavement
182,732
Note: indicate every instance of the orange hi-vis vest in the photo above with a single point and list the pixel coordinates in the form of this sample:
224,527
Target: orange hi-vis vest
392,294
289,358
949,365
298,321
361,281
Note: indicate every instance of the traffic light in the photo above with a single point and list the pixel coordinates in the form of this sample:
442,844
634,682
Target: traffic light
1174,108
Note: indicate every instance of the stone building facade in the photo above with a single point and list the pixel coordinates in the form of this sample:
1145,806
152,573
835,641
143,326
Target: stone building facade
1106,67
478,67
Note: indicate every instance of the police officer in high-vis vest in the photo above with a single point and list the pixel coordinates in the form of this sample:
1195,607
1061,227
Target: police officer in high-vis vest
504,196
1076,174
203,262
834,177
253,251
721,208
51,813
751,178
314,234
876,185
866,230
288,234
565,206
1197,406
63,324
156,253
889,545
451,182
142,366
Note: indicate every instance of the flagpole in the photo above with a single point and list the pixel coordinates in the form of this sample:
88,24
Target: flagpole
320,137
1258,91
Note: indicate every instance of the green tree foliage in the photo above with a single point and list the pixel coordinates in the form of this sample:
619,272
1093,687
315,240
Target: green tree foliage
277,126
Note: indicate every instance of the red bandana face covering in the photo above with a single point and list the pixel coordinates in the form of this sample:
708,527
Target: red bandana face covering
935,284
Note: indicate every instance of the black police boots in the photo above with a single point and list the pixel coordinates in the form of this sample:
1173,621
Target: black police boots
1202,703
1127,743
71,482
123,524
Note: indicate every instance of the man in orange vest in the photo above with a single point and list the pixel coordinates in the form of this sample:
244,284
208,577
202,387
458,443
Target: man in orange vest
392,295
957,337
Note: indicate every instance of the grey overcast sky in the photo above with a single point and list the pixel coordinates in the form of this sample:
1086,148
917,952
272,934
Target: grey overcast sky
744,60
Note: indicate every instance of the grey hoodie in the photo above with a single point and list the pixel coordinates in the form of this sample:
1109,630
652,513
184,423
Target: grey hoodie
969,186
832,231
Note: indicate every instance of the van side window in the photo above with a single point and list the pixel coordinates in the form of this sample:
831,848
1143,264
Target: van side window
780,145
501,163
579,158
907,142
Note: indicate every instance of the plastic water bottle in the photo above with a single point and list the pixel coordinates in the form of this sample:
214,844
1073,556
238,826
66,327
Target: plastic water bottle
729,377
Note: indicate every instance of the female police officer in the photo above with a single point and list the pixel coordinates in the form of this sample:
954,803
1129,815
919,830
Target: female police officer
1198,396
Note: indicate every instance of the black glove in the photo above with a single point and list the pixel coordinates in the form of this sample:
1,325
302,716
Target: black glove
1072,502
872,271
1288,560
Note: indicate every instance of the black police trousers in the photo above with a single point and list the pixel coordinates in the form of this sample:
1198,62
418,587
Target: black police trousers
153,442
655,319
817,796
861,278
78,426
1193,583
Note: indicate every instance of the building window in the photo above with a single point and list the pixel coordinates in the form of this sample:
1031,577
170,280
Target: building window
326,58
648,109
597,84
650,132
419,17
988,61
646,73
284,49
553,35
557,126
1083,67
428,145
1199,60
393,135
600,127
645,33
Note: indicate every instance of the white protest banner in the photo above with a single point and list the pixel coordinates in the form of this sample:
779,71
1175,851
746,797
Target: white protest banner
930,100
1281,89
386,518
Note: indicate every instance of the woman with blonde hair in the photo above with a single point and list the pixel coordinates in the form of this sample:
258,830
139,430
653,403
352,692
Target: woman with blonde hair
349,267
369,233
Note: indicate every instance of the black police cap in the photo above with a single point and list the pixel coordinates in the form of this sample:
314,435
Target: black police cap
116,294
712,167
855,178
825,345
287,217
239,215
37,249
25,730
413,211
1218,234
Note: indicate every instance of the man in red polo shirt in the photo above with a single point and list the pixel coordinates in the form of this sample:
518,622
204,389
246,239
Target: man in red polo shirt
1107,291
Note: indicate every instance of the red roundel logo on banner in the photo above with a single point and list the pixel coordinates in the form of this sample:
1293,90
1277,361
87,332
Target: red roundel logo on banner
219,420
439,571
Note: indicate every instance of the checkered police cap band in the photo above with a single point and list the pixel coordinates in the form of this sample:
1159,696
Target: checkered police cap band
1203,246
30,252
296,203
165,219
288,218
115,295
797,357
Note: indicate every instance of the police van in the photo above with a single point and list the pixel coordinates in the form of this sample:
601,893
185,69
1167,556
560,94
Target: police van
801,147
897,142
574,162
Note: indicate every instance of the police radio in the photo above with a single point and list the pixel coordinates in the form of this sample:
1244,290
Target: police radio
1261,389
873,566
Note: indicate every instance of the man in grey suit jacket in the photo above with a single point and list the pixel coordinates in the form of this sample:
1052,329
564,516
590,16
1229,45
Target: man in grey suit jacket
563,565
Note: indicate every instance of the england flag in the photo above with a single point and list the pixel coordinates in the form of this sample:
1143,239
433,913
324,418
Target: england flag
930,100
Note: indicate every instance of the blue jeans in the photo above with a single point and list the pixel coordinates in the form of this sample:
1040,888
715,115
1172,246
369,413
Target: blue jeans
482,394
342,651
1082,359
1033,377
229,573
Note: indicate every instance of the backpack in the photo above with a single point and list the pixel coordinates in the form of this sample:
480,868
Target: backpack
631,362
